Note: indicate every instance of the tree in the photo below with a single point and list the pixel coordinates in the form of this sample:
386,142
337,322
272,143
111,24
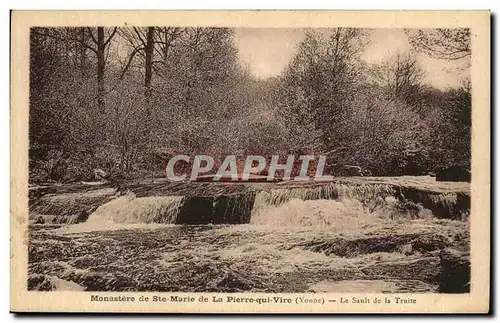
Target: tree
319,85
78,35
402,78
450,127
62,118
101,44
442,43
192,85
388,137
145,42
124,104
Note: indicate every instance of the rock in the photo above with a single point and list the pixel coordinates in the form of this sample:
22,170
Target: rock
99,174
349,170
83,216
406,249
353,247
69,207
39,220
453,174
423,269
456,271
40,282
366,172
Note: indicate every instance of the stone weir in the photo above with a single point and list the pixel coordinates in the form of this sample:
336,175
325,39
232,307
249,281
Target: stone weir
160,201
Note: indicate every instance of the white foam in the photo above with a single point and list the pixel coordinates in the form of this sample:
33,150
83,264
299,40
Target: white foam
129,211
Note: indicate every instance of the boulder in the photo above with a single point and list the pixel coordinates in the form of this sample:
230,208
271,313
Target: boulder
455,271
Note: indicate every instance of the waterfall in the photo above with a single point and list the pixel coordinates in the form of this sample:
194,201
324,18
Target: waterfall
130,209
223,209
325,205
329,204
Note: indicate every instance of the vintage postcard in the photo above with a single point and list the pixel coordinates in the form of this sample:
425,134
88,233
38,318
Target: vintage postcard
250,161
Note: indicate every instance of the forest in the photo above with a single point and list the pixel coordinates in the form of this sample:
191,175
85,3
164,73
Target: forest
125,100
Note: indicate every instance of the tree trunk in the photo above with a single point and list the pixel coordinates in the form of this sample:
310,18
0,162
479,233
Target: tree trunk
147,88
100,68
83,51
148,75
148,67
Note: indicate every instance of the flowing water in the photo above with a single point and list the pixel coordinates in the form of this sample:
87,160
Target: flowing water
281,239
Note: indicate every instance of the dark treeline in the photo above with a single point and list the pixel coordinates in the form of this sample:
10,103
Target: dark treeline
127,99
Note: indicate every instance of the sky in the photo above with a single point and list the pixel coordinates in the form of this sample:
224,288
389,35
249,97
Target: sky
267,52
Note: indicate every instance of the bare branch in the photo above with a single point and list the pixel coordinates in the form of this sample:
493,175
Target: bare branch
110,37
64,39
131,57
140,36
92,35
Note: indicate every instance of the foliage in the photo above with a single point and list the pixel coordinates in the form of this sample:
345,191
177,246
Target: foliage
126,99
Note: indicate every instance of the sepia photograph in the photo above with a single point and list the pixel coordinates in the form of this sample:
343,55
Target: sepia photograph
251,159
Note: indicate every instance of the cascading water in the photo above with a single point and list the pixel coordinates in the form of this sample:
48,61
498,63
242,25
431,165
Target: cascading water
322,205
310,206
297,213
129,209
333,204
298,237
